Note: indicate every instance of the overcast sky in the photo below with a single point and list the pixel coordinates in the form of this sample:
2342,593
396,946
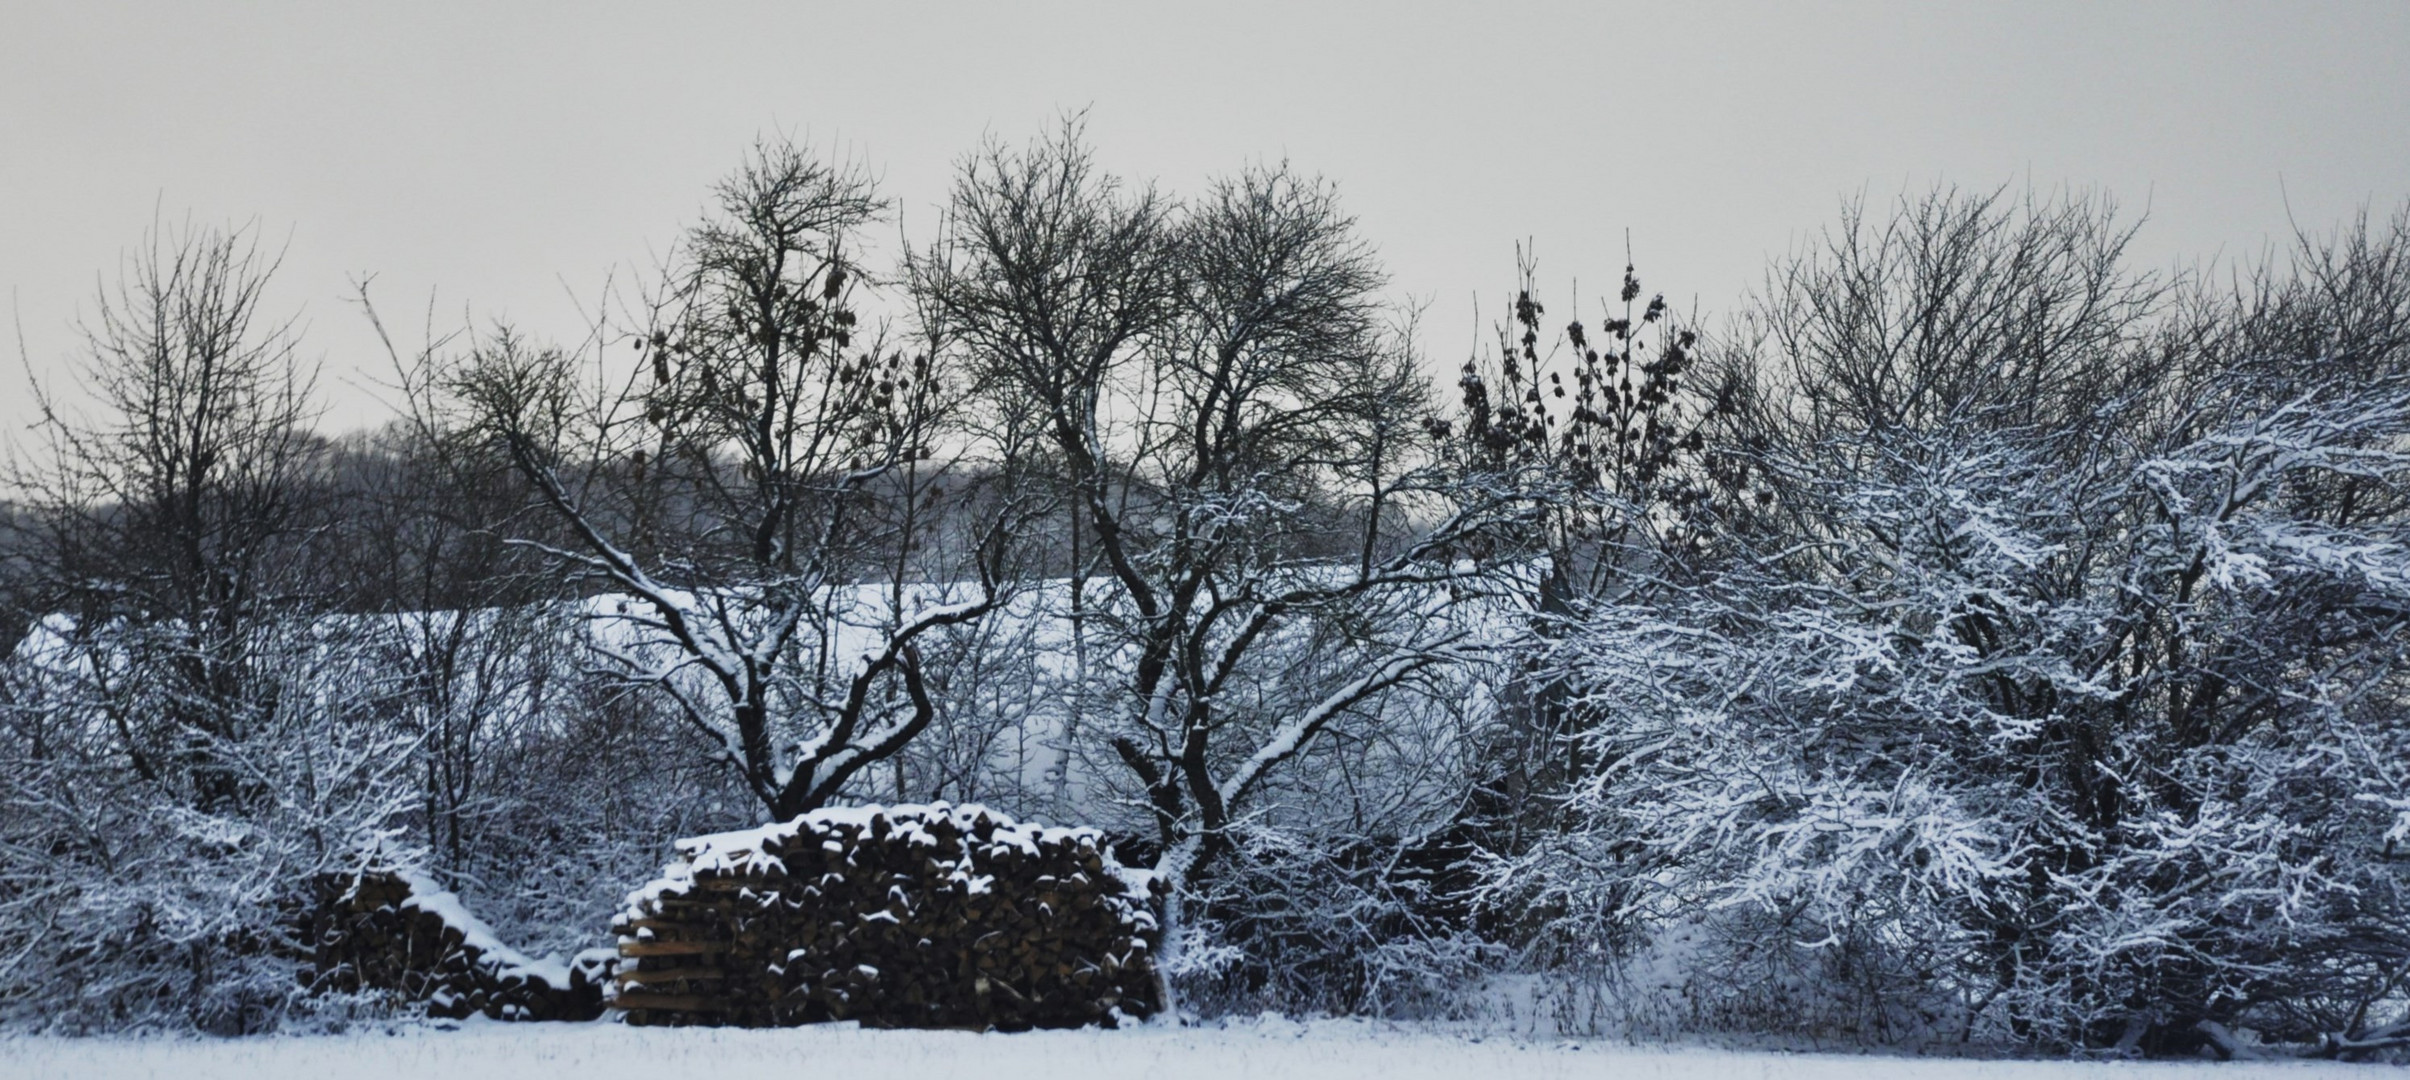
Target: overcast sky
505,158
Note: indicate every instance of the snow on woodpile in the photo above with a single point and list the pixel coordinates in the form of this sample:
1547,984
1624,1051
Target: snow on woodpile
905,916
396,931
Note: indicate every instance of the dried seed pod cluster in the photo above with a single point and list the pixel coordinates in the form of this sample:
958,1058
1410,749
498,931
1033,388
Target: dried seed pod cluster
904,916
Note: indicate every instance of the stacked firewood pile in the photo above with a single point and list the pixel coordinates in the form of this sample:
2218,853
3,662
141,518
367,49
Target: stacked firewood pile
394,931
906,916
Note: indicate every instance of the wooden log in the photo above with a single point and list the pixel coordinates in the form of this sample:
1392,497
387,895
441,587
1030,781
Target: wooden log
685,1003
671,948
666,975
664,904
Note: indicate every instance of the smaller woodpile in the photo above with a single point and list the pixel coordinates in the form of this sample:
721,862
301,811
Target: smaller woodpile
395,931
904,916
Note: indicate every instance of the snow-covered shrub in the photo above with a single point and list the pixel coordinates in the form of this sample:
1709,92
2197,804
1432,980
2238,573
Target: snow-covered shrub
557,797
1345,925
129,903
2063,718
2070,754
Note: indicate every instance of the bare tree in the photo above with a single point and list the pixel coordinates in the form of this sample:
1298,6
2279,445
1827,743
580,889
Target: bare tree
184,737
1957,304
767,458
1240,433
176,520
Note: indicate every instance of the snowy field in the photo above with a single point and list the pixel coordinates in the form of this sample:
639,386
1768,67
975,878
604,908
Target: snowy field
605,1051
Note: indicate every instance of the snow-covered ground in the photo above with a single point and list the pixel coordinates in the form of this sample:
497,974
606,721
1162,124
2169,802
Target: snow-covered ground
1251,1051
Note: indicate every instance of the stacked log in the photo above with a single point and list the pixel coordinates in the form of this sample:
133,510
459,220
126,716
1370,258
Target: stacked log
905,916
394,931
